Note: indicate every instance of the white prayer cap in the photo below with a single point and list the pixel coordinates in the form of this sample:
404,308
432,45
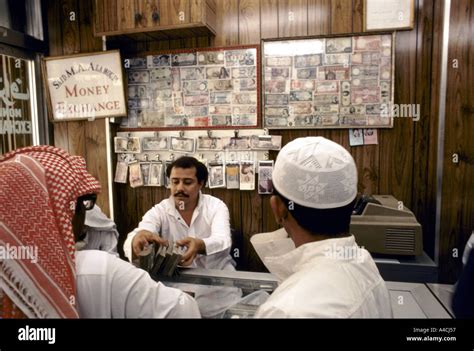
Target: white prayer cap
316,172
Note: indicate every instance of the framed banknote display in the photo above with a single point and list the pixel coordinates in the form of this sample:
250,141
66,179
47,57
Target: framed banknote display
328,82
194,89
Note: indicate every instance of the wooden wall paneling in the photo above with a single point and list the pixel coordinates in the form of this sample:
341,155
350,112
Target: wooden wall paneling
177,44
341,16
71,41
268,19
196,42
77,140
340,21
357,16
121,16
269,223
96,158
130,213
99,16
249,22
149,9
396,144
427,218
227,31
144,13
61,137
71,45
122,214
423,139
170,9
88,42
457,214
156,45
197,8
366,158
292,18
251,204
144,197
55,37
106,15
319,17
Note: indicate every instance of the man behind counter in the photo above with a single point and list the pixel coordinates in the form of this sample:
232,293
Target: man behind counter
195,220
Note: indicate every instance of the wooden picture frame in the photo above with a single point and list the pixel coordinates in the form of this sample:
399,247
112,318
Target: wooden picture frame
202,88
85,86
389,15
328,82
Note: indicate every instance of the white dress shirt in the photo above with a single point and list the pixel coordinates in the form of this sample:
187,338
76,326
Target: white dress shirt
332,278
108,287
210,222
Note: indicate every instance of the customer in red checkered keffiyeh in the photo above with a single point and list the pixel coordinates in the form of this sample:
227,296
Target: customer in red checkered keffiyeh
39,187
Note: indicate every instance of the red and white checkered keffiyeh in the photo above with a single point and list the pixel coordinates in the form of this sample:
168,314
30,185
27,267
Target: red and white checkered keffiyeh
39,186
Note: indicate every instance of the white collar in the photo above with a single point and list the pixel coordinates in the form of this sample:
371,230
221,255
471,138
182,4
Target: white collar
283,266
170,206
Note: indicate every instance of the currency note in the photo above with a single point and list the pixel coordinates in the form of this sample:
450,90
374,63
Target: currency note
367,43
221,120
306,73
137,62
244,110
244,98
160,73
245,84
302,85
366,58
277,73
136,77
195,86
158,60
276,99
337,59
240,57
210,58
196,99
192,73
301,96
327,87
243,72
276,86
184,59
325,99
333,73
276,122
278,111
221,85
217,73
338,45
301,109
312,60
278,61
220,98
220,109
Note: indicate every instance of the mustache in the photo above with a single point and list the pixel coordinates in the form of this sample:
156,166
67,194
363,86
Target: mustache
180,193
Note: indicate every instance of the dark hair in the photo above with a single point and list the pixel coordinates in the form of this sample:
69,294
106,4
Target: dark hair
189,162
331,222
